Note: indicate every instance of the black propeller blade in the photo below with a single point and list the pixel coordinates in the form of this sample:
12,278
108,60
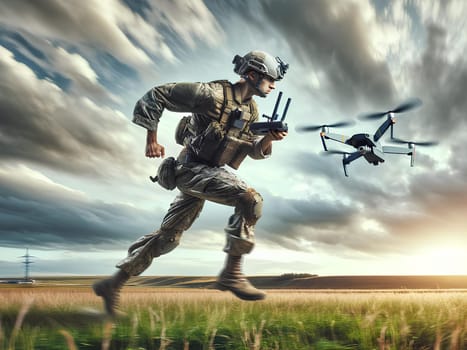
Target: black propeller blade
333,151
403,107
425,143
319,127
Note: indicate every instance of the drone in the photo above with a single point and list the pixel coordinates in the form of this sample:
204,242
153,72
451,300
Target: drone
368,146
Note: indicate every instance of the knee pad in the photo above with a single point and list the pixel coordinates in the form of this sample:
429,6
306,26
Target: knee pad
251,206
152,246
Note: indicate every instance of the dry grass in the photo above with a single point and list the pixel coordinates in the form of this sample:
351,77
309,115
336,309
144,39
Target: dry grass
179,318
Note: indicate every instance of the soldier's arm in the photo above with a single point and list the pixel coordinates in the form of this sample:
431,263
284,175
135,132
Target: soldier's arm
181,97
176,97
262,146
273,135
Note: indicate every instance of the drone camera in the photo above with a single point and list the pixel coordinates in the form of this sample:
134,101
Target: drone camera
363,149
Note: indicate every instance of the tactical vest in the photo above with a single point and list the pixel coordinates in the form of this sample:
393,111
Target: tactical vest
226,139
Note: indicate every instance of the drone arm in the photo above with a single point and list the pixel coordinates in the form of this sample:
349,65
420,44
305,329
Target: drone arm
383,128
335,137
353,156
397,150
410,151
323,141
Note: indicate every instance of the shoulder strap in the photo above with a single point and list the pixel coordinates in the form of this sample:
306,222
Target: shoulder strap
227,104
225,86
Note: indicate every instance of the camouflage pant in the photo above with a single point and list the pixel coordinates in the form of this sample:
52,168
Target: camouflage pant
197,183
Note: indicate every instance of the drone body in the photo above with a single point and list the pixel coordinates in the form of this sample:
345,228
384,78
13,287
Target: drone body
366,145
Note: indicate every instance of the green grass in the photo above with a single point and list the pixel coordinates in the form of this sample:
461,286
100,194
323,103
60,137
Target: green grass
57,318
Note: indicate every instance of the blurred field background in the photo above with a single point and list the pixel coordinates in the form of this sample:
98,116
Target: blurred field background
65,314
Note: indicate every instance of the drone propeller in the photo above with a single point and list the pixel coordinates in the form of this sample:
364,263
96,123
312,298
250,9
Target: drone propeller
426,143
333,151
403,107
319,127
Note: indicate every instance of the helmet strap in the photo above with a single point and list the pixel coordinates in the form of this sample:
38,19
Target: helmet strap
255,85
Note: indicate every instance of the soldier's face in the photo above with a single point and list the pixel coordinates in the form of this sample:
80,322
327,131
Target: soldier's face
267,84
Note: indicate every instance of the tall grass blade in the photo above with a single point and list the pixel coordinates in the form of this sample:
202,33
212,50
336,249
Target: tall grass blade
19,321
70,342
107,336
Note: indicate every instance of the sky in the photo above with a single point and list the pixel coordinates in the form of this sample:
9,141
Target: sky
74,181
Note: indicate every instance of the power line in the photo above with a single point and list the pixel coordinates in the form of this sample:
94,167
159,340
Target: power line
26,262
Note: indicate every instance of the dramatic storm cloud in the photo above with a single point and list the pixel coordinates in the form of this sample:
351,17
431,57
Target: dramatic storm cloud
333,40
42,123
73,173
39,213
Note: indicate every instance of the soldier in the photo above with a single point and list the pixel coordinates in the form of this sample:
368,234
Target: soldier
216,134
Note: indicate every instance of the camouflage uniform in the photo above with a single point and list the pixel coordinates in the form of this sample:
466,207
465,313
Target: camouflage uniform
199,179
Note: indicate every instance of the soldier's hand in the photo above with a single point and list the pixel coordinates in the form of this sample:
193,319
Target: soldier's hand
275,135
154,150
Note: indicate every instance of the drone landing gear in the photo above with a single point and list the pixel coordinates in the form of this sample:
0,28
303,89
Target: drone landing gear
344,164
349,158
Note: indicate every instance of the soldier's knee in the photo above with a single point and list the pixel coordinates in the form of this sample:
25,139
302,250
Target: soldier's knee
251,206
147,248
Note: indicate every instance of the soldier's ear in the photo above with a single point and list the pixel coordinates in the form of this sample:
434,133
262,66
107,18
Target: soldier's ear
252,75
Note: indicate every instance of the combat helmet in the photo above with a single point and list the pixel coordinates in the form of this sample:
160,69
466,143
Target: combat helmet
261,62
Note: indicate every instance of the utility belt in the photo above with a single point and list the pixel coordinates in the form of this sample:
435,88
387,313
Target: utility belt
191,157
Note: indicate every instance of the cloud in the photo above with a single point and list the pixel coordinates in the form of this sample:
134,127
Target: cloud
37,212
294,224
333,39
62,64
41,123
199,24
136,38
84,80
376,210
441,81
96,25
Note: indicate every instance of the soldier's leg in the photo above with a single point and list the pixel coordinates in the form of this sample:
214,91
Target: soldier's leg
182,213
221,186
240,241
109,290
180,216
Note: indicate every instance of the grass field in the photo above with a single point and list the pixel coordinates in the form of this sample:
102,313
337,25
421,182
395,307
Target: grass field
69,317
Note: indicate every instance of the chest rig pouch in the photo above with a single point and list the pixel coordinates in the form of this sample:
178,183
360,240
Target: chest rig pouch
226,140
206,144
238,141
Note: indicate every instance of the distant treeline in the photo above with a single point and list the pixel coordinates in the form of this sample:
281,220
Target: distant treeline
292,276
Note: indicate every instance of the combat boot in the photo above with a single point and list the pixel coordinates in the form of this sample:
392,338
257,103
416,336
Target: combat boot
109,290
231,278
